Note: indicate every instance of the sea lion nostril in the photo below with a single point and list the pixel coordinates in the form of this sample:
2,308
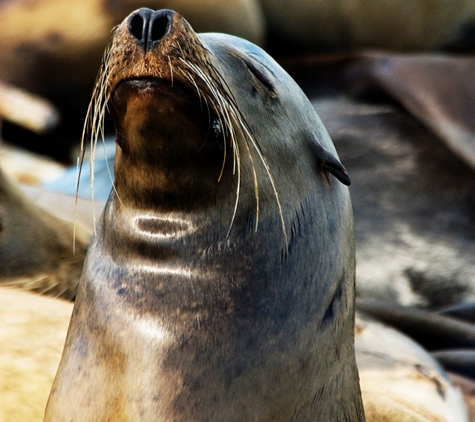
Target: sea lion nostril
160,23
149,27
138,25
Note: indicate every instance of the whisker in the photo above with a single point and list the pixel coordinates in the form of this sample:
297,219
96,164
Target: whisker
221,99
94,128
212,90
171,70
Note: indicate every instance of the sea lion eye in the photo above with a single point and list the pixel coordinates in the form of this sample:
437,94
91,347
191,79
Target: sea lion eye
217,127
217,133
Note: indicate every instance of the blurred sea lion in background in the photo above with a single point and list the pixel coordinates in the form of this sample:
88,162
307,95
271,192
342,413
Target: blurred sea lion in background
413,198
38,228
36,247
32,333
399,381
359,24
436,89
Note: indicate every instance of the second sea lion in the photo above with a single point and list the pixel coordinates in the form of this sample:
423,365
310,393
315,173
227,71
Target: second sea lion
36,247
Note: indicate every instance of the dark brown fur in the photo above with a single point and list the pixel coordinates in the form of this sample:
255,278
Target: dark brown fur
36,248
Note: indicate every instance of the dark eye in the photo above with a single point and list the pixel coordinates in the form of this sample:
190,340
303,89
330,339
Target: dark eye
261,74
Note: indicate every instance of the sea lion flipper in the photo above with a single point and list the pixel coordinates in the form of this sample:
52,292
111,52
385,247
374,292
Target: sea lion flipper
328,162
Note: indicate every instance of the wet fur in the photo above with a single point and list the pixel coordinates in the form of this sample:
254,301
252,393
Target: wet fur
244,301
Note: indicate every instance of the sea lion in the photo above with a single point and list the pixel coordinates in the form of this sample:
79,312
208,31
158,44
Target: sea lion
436,89
27,110
220,282
36,247
399,381
415,253
32,333
388,24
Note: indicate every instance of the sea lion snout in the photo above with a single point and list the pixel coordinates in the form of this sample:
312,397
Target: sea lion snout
149,27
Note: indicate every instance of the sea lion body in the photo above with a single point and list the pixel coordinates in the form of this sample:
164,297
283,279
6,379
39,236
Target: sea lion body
386,24
36,247
220,282
400,381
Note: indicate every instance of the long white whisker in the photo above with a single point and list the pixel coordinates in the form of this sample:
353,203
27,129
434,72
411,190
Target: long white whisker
221,100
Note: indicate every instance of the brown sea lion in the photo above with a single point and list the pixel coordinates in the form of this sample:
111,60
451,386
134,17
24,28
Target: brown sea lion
26,110
32,333
36,247
220,282
389,24
399,381
28,169
436,89
412,252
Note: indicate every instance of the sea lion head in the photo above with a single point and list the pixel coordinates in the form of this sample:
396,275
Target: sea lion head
220,283
199,97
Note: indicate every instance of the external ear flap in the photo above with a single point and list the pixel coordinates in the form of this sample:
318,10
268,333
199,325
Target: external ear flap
328,162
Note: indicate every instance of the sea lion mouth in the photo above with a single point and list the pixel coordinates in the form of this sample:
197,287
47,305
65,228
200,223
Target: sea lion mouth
142,81
176,90
165,116
168,92
147,82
